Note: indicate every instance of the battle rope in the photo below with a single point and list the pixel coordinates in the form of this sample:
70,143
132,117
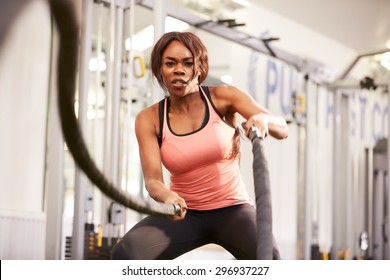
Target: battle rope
266,245
65,18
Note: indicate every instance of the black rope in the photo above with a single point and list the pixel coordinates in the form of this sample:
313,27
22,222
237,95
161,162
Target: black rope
65,18
266,245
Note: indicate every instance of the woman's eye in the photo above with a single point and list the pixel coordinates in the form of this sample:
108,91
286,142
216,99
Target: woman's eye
189,64
169,64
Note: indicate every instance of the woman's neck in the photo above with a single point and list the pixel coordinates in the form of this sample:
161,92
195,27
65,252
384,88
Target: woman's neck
185,102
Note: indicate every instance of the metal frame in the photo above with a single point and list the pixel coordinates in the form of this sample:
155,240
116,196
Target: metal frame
388,164
55,166
356,60
112,108
81,181
303,64
306,65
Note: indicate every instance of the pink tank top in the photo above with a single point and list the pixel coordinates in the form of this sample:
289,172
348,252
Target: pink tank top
202,171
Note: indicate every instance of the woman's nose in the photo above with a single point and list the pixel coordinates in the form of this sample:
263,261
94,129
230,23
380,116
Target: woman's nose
179,68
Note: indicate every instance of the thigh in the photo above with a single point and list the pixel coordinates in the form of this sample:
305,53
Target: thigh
234,228
160,238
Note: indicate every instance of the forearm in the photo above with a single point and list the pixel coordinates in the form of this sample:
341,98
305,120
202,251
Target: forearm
277,127
157,190
268,124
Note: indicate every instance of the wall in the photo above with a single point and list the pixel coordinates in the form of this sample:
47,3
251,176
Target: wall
296,38
24,74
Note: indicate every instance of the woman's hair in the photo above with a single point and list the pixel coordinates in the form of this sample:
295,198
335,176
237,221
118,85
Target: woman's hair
192,42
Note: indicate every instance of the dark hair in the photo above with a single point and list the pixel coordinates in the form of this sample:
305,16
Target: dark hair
192,42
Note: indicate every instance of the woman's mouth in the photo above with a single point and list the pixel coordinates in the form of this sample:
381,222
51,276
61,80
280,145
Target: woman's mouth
179,82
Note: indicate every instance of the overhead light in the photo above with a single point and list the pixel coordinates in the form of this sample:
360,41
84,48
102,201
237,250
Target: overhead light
97,63
384,60
173,24
386,64
143,40
226,79
95,113
244,3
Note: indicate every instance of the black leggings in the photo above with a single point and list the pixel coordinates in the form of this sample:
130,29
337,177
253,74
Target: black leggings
233,228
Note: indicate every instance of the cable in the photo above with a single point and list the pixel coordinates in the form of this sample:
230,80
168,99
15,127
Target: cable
65,18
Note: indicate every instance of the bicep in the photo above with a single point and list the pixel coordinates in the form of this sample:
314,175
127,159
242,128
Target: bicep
241,102
244,104
149,149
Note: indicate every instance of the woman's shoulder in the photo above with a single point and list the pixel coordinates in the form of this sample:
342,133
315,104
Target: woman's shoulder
221,96
148,115
222,89
148,111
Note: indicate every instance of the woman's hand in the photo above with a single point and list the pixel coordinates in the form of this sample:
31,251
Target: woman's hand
174,198
267,124
261,121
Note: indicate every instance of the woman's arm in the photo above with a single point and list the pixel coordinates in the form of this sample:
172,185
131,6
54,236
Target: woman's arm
149,150
235,100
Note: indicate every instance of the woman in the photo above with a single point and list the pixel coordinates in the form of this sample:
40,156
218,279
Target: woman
193,133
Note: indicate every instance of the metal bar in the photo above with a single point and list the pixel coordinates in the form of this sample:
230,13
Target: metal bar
302,138
336,200
388,167
113,92
129,70
55,163
124,4
108,115
349,213
96,134
351,85
268,47
304,64
80,178
116,100
116,96
368,198
308,192
356,60
159,14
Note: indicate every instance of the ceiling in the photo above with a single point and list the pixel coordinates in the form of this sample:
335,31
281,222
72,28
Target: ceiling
362,25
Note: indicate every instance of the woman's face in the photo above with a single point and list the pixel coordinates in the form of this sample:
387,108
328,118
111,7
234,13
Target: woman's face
177,69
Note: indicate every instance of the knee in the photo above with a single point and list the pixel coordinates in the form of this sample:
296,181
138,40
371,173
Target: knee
118,252
122,251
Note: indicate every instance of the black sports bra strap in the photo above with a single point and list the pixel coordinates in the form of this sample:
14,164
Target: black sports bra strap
161,120
206,91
